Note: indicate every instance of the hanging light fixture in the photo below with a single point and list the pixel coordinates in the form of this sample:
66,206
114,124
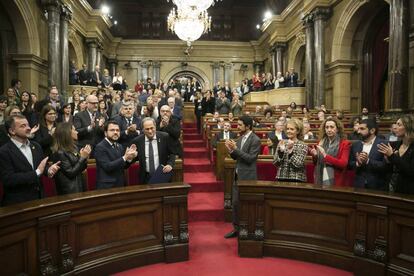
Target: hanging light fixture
189,24
200,5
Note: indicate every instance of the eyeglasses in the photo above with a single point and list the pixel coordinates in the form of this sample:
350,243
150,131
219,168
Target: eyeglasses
93,102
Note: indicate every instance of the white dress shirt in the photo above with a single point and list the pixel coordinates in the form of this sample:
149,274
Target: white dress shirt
156,157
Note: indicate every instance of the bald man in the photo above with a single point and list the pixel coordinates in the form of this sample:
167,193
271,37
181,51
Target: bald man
89,124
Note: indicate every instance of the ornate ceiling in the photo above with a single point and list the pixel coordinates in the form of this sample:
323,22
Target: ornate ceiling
232,20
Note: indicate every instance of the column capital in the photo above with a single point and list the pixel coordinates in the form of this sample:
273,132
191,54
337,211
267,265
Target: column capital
66,13
280,46
321,13
51,5
92,42
156,64
112,60
307,20
144,64
228,65
215,65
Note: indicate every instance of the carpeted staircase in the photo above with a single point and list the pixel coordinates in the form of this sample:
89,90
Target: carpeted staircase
205,201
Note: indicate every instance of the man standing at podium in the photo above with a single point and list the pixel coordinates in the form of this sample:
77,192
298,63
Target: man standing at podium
245,152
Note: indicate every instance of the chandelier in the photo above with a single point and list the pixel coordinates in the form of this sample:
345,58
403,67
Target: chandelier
200,5
189,24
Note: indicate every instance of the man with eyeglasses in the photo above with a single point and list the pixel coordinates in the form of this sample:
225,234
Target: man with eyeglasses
52,99
89,124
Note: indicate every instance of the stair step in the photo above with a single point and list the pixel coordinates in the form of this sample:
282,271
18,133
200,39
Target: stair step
207,187
206,206
199,177
190,130
194,165
195,153
192,136
194,143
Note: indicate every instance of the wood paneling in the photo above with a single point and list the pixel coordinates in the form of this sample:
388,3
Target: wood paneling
361,231
97,232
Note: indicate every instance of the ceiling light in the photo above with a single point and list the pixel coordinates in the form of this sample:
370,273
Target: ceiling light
258,26
200,5
267,15
115,22
105,9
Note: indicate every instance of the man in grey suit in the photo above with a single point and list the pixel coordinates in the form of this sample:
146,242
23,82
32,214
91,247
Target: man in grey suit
245,152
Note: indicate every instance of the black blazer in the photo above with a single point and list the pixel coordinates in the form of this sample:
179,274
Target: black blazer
371,175
174,130
209,106
165,153
110,166
19,179
44,139
125,139
69,178
81,121
404,166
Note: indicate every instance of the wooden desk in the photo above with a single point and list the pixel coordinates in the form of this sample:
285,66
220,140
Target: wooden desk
368,233
96,232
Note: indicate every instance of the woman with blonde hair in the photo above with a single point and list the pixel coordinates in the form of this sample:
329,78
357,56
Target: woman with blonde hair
331,155
291,154
400,156
106,78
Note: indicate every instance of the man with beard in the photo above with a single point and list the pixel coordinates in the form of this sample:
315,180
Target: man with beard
245,152
171,125
22,164
366,160
111,159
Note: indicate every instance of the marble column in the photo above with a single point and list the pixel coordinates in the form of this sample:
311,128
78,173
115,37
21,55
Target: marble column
273,60
92,45
320,15
144,70
65,17
227,73
216,73
310,59
112,66
53,8
156,68
398,55
280,48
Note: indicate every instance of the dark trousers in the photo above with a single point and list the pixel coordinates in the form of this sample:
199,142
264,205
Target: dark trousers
235,203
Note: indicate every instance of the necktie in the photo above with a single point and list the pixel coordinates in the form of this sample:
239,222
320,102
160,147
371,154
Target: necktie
243,141
129,121
151,157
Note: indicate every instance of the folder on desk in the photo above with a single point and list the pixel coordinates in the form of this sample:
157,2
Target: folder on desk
160,177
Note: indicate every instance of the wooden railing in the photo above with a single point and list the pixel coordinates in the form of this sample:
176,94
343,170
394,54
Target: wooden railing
368,233
96,232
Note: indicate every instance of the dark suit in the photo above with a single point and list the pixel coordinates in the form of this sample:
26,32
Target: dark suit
84,77
292,80
82,121
165,154
177,113
125,139
110,165
174,130
19,178
44,139
94,78
246,158
220,136
371,175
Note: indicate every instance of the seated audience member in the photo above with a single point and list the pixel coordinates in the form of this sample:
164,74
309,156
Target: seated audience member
222,103
3,105
154,150
270,147
216,117
278,133
321,115
291,153
293,106
392,137
400,156
365,113
225,134
331,155
129,124
257,123
175,110
307,134
89,124
112,159
231,118
220,123
366,160
339,114
279,80
355,134
323,108
258,111
47,126
268,113
73,161
171,125
22,164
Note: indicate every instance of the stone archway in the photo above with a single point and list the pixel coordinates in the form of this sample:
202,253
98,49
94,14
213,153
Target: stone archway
76,51
190,71
299,63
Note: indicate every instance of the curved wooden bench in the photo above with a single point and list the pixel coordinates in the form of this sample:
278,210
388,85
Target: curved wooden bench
368,233
97,232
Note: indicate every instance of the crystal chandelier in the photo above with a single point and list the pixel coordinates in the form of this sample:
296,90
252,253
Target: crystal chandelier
200,5
189,24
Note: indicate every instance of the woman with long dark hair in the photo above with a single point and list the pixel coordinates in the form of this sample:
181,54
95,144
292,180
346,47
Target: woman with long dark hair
72,163
331,155
27,108
47,125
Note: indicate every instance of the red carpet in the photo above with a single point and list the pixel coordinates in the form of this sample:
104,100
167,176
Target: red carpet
210,253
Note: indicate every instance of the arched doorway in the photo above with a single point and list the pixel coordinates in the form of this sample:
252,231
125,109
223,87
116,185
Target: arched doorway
188,72
300,64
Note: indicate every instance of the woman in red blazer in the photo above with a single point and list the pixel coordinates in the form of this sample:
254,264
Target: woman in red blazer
331,154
